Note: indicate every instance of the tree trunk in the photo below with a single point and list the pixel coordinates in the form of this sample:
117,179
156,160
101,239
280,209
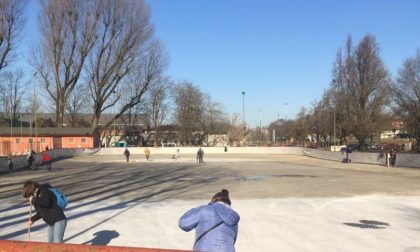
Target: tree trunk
155,137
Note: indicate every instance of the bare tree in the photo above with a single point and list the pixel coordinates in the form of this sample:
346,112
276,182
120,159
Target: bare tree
157,105
189,109
12,89
407,96
33,107
320,121
68,33
300,127
361,87
213,117
126,59
77,105
11,25
237,131
135,123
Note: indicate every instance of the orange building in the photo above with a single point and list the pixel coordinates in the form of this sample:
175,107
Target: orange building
19,140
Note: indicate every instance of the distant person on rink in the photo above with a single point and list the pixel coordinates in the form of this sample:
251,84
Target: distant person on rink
46,160
30,157
393,156
200,155
215,224
10,161
348,154
127,155
147,153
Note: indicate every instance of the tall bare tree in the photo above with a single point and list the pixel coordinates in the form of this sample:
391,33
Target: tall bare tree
237,130
361,87
300,127
77,105
320,121
11,25
213,117
12,89
406,95
68,31
126,58
189,109
157,104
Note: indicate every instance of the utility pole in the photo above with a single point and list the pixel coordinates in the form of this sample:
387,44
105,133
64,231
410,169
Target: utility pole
35,109
11,117
335,143
285,110
260,128
243,107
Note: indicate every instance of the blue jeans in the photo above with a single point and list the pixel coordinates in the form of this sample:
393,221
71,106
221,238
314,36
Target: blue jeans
56,231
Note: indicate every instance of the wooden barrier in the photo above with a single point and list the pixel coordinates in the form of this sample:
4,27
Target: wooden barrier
23,246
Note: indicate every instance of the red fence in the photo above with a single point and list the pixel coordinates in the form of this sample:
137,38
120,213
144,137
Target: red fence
22,246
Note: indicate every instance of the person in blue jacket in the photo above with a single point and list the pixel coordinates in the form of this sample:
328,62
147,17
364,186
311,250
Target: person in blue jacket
215,224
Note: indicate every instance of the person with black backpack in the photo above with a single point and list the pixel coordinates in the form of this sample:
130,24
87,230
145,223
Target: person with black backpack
215,224
49,204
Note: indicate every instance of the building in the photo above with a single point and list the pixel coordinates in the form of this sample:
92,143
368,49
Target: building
18,140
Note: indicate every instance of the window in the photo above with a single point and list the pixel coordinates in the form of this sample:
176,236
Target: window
30,140
42,140
83,140
17,140
71,140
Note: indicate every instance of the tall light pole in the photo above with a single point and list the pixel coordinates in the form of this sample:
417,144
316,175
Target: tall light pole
11,118
335,139
243,107
115,128
20,119
285,110
35,109
260,128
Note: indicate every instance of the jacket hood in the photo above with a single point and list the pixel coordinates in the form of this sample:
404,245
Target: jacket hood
227,214
45,186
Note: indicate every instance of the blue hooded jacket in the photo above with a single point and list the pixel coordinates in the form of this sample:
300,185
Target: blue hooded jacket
220,239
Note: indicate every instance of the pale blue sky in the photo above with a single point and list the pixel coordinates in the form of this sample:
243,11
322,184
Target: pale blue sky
276,51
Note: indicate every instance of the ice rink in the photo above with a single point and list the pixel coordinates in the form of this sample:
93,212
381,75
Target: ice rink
286,202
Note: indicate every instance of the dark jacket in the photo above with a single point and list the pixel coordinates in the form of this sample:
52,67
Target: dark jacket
45,204
127,153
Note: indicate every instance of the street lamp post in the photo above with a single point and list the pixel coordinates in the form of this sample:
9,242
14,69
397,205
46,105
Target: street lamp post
260,128
285,110
20,119
35,109
334,111
335,141
11,118
243,107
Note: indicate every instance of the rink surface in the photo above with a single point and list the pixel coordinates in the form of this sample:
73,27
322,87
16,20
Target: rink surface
286,203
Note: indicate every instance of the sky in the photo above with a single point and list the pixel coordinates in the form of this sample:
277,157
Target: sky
278,52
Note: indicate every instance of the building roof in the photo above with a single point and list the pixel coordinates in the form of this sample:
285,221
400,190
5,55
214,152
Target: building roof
137,119
44,132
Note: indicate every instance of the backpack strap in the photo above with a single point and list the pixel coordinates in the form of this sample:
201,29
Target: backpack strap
210,229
